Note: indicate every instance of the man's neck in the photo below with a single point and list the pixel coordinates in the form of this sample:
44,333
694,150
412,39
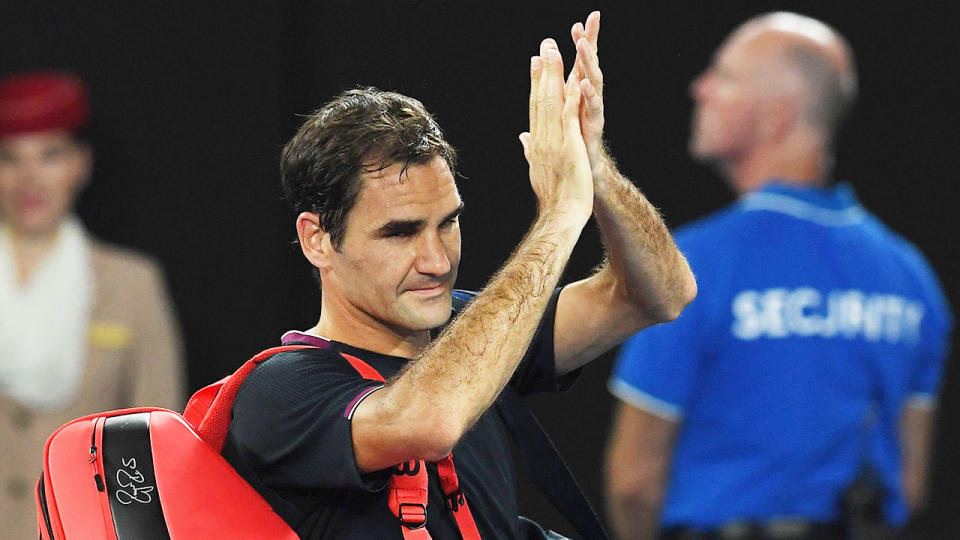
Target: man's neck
805,167
366,333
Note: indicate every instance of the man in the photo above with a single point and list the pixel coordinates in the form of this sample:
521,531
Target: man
813,358
84,326
372,179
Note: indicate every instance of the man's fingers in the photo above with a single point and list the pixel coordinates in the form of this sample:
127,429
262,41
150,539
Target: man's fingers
577,31
592,99
551,93
571,107
536,70
550,45
525,141
592,30
587,89
590,64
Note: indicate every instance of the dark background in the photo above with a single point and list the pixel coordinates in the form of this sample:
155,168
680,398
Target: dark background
193,102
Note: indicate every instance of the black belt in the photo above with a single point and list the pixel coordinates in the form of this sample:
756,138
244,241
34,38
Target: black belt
774,530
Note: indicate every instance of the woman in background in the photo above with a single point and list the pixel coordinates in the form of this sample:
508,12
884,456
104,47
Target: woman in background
84,326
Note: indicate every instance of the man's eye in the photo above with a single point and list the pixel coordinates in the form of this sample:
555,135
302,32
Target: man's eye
399,234
451,222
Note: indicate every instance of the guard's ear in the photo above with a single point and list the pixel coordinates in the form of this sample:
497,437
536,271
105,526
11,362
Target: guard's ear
780,115
314,241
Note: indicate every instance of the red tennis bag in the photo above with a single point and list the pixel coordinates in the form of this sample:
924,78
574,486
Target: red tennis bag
151,473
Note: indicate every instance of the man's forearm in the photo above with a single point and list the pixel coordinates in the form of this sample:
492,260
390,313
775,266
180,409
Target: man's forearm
644,265
641,253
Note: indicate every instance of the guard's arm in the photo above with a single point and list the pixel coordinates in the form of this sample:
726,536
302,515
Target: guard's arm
424,411
916,432
637,465
645,279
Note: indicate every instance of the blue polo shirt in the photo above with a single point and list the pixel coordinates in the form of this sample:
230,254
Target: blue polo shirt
814,326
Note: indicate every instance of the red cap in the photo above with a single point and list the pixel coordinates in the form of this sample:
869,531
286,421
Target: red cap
42,101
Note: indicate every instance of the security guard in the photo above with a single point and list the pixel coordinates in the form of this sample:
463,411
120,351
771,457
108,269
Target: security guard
811,360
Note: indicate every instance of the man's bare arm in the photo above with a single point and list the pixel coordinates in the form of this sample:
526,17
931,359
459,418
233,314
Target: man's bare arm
645,279
916,431
424,411
637,465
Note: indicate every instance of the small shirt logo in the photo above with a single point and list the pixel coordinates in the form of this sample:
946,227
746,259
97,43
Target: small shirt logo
409,468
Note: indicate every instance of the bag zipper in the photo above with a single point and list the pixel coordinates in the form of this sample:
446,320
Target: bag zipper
97,477
95,457
42,497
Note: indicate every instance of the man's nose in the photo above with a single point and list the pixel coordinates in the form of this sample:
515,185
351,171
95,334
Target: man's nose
432,255
699,86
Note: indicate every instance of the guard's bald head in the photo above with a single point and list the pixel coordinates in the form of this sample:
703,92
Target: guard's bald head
802,55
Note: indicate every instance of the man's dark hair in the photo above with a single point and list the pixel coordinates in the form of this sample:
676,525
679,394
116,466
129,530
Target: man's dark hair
360,131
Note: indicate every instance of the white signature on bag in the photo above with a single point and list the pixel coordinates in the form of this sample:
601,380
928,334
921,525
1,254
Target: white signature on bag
131,484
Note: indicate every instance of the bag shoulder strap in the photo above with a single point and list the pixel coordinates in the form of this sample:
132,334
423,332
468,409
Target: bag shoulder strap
409,485
408,492
200,402
209,411
546,468
216,418
364,369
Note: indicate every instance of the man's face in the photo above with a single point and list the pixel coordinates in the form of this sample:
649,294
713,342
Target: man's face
400,253
726,103
40,174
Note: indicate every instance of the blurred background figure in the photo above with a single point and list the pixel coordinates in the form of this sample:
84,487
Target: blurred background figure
797,392
84,326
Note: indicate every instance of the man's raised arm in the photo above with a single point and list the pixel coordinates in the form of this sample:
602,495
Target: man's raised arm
424,411
645,279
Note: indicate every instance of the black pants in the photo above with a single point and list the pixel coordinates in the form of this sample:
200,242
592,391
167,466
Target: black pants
791,531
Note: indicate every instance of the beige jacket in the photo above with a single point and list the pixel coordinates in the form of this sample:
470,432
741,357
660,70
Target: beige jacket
134,358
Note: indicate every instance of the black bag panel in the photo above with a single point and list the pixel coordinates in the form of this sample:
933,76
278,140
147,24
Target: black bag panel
130,478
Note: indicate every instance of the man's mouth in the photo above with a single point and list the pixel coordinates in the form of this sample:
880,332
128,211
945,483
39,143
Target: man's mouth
428,291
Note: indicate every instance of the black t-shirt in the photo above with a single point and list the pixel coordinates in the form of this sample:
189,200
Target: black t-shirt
291,430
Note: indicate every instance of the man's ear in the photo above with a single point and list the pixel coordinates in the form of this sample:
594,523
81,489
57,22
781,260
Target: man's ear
314,241
780,114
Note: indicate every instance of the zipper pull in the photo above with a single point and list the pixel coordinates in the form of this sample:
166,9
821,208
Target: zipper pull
93,441
97,479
